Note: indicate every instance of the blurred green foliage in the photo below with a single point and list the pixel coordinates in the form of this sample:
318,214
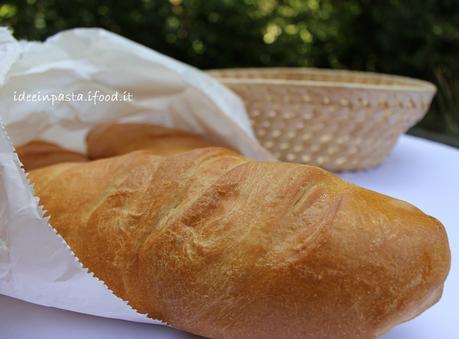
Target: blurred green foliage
407,37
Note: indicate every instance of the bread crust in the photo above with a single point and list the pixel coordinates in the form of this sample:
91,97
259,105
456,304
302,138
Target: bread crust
224,247
39,153
112,139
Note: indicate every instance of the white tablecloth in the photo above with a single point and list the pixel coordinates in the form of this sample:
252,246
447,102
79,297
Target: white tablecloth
419,171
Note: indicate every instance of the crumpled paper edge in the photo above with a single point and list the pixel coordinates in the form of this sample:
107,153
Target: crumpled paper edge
9,52
223,100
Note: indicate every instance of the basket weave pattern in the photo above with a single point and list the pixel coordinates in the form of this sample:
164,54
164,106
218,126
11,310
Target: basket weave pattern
338,120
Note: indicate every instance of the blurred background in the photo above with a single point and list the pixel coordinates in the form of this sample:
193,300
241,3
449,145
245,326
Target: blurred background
406,37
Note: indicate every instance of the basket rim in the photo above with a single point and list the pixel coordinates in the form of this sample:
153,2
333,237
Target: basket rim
410,84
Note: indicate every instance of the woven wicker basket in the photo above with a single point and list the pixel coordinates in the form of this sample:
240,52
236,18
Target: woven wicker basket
339,120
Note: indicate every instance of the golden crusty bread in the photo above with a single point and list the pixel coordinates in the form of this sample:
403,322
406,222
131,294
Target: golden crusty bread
39,153
112,139
224,247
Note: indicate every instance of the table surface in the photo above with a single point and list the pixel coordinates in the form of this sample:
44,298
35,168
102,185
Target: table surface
419,171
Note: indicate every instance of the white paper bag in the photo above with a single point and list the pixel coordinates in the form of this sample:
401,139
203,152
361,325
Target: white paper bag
36,265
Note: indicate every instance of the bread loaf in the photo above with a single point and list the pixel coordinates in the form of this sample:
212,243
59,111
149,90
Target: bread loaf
224,247
108,140
38,153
